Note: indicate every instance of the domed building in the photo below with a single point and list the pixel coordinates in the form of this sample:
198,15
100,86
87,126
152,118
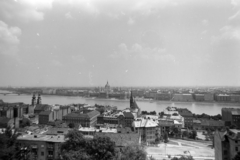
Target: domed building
107,87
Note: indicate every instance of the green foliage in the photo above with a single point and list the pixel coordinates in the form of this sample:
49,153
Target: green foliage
165,137
149,113
77,147
237,156
185,134
183,158
71,125
25,122
132,153
8,144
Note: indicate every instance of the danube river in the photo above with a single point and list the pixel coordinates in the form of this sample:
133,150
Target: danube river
158,106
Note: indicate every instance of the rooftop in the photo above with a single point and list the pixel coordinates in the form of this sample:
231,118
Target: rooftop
46,138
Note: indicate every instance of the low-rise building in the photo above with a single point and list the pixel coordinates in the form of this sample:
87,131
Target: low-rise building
187,115
209,97
147,128
121,118
231,116
84,119
226,144
43,147
45,117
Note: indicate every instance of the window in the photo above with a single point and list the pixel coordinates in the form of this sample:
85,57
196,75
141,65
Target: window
42,153
236,148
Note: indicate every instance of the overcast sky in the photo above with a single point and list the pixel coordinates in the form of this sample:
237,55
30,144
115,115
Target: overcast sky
127,42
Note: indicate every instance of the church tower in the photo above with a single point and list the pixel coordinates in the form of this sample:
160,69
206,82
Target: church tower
39,100
33,99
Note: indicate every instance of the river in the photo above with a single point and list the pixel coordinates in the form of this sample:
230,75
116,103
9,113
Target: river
158,106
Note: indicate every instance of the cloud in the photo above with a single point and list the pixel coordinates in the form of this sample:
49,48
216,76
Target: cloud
9,39
56,63
131,21
24,10
205,22
78,58
138,52
68,15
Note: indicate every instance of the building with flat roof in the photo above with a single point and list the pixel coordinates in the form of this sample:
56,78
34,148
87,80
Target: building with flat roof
231,116
43,147
84,119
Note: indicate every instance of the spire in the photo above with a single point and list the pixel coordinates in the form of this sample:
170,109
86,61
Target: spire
39,101
33,99
131,100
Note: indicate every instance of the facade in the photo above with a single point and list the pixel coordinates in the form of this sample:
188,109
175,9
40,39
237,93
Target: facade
45,117
211,124
199,97
187,115
163,96
209,97
147,128
43,147
183,97
226,144
84,119
123,119
231,116
41,107
222,98
235,98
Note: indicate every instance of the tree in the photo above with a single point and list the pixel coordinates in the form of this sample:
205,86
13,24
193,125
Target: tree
101,148
133,153
185,134
237,156
78,148
8,143
25,122
194,134
71,125
183,158
165,137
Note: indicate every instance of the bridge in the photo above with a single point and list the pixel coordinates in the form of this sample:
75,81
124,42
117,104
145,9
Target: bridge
11,93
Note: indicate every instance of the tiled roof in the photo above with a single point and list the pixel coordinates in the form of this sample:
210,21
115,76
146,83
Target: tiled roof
212,123
41,107
128,114
145,123
122,139
83,115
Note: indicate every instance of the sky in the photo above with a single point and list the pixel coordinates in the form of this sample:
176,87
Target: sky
124,42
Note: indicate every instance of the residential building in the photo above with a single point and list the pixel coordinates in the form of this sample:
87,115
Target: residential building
45,117
231,116
147,128
121,118
222,98
183,97
84,119
211,124
209,97
187,115
199,97
226,144
164,96
43,147
41,107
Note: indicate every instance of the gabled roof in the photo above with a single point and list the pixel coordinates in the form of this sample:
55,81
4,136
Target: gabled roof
41,107
145,123
128,114
83,115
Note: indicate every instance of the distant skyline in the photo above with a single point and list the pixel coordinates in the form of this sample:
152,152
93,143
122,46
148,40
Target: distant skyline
128,43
